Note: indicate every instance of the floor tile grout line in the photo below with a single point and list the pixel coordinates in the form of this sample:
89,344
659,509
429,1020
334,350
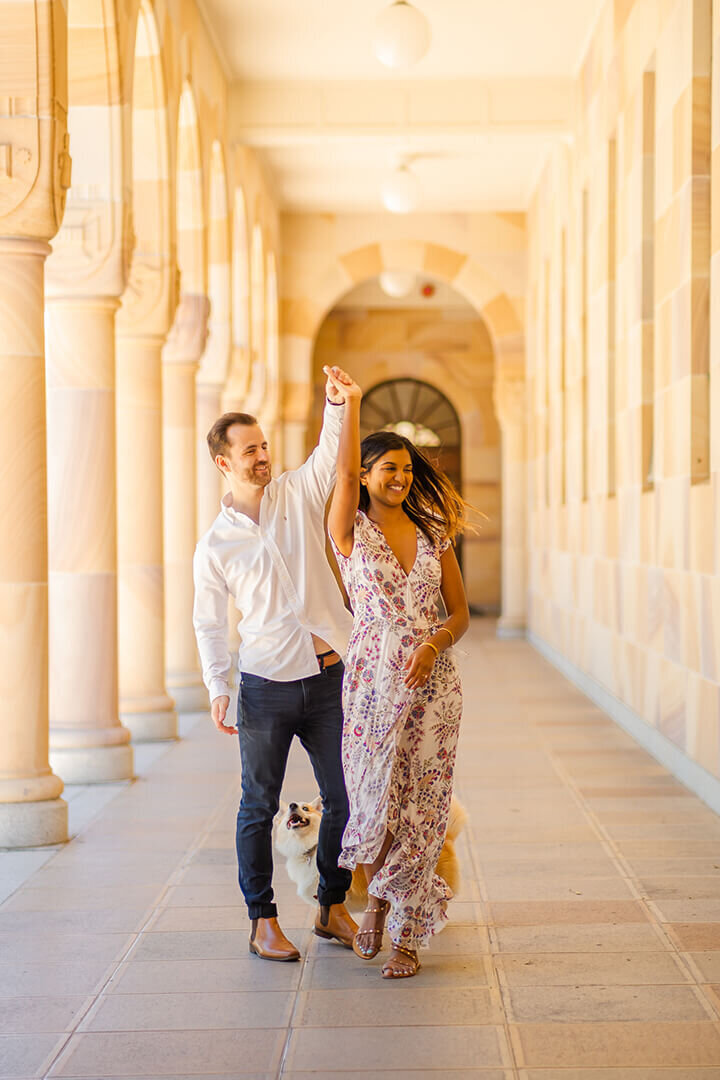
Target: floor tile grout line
290,1029
631,878
120,787
97,994
54,848
497,982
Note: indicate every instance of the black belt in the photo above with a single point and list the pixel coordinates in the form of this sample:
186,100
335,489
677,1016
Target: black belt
321,658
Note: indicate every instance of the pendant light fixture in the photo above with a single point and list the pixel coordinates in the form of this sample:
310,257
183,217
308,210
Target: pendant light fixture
402,35
401,191
397,283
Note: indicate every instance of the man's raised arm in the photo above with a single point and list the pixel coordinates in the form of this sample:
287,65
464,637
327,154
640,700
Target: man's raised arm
317,475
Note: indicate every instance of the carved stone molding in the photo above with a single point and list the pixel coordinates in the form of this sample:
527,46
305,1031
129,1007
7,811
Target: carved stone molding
148,302
88,256
90,251
35,164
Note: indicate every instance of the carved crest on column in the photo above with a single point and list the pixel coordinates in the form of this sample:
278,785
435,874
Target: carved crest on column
19,151
188,334
34,159
88,249
146,302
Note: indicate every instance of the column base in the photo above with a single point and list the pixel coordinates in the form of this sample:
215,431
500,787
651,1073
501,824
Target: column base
93,764
33,824
510,626
188,694
155,725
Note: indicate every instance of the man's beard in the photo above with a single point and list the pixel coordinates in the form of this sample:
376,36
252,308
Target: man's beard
259,477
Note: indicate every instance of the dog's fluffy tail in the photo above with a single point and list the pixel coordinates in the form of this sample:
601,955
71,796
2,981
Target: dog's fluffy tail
457,819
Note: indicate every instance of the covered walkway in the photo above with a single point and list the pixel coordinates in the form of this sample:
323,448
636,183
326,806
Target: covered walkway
585,944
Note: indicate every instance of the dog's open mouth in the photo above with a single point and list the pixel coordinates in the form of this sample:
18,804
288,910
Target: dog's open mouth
297,821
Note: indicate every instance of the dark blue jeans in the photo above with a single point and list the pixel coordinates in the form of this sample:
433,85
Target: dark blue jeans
270,714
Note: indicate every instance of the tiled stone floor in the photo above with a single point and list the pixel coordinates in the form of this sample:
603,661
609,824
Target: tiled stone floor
585,944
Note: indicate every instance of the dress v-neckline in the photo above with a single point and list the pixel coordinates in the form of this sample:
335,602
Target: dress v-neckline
405,573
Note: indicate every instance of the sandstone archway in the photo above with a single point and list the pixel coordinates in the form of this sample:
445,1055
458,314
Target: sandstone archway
311,288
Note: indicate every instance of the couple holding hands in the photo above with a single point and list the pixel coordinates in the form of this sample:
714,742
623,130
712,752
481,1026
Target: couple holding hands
373,696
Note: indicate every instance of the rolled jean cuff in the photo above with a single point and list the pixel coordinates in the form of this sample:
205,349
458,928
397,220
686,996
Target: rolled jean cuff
262,911
327,897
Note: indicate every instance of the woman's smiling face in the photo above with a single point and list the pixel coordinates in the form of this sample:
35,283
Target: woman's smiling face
390,478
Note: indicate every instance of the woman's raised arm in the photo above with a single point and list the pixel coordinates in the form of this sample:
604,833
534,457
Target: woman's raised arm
345,498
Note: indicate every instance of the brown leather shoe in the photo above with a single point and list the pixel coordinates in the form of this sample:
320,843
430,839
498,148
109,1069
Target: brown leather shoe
269,943
335,921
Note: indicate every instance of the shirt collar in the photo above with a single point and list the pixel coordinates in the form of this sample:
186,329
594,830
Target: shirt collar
236,516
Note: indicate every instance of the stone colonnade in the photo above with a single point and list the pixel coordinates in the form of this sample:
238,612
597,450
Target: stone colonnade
102,368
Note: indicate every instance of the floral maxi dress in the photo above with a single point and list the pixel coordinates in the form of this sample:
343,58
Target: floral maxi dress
399,744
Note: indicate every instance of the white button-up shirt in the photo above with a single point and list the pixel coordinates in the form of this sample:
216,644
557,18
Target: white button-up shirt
277,574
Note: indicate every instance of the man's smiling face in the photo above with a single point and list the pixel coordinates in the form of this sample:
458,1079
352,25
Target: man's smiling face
248,457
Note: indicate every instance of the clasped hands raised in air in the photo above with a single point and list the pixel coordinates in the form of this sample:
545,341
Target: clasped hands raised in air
340,388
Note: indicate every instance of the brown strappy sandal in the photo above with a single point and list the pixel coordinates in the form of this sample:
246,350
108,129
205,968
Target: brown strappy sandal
409,971
376,933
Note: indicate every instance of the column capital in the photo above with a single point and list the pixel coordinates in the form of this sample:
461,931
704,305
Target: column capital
35,164
188,334
93,247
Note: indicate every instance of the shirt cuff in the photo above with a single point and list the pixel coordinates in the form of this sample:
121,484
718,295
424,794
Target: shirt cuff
218,688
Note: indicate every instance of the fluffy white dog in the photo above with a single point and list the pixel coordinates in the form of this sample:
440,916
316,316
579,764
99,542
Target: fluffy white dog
296,830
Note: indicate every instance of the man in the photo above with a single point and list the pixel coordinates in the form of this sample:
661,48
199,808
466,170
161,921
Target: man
266,549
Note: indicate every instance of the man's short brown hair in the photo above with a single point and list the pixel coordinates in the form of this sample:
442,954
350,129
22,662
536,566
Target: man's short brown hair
217,437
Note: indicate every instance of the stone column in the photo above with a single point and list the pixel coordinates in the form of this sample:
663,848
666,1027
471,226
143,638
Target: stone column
210,485
35,172
233,399
31,811
296,406
181,359
215,368
234,394
510,406
88,743
145,706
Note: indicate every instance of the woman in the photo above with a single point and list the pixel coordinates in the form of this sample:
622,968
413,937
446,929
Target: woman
392,519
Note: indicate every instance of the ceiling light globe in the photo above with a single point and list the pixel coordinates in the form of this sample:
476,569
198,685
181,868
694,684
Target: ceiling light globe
402,35
401,191
397,283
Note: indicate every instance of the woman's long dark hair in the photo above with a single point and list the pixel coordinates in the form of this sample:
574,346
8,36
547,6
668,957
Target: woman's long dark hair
432,502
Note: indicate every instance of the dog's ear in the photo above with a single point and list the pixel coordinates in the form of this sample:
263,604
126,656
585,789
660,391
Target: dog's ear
316,804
